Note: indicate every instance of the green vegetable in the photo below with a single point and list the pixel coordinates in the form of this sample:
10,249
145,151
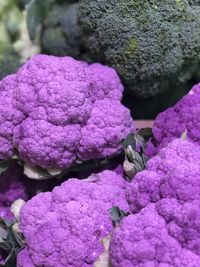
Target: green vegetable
9,60
154,45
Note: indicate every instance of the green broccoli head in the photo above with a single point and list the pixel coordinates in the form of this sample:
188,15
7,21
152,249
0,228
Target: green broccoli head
61,33
9,60
154,45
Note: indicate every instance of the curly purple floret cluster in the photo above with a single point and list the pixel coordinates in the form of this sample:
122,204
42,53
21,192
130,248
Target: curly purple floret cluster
145,240
163,229
170,124
55,111
64,228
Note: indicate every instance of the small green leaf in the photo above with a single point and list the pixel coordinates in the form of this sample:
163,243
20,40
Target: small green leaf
9,242
116,214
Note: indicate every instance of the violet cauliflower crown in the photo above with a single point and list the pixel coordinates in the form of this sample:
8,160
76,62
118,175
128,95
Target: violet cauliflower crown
65,227
164,200
59,110
173,122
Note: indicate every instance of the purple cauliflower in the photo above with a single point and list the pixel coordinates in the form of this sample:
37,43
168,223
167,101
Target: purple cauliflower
164,199
65,227
145,240
170,124
57,111
12,187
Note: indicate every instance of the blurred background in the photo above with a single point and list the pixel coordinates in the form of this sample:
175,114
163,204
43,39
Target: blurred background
81,30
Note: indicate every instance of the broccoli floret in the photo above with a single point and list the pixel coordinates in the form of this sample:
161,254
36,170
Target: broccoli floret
152,44
9,60
61,33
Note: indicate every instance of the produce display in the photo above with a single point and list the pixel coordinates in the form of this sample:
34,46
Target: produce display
87,178
82,29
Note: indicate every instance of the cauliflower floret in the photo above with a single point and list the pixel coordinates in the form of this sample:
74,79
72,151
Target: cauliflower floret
65,227
61,110
170,124
164,199
143,240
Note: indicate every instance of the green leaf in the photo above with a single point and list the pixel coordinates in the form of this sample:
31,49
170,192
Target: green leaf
9,242
37,11
129,141
116,214
4,165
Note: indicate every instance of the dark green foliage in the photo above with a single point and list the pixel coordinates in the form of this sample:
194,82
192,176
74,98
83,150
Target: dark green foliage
117,215
9,60
22,3
37,10
154,45
61,34
11,242
194,2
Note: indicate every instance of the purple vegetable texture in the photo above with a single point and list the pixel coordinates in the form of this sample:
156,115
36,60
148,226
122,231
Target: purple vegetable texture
58,110
65,227
183,117
164,199
144,240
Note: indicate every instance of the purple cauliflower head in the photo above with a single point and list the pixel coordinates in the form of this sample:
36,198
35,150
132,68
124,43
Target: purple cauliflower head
168,190
144,240
170,124
61,110
64,228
